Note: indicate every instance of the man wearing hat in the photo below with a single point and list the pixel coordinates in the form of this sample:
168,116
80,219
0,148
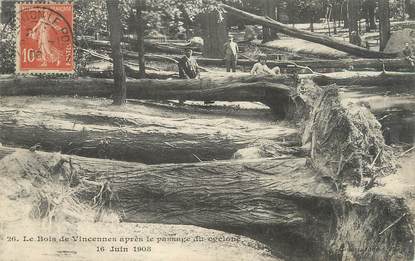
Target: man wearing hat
231,54
409,55
188,67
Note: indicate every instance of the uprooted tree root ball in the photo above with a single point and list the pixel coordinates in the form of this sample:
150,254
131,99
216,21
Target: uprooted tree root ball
346,141
372,227
50,190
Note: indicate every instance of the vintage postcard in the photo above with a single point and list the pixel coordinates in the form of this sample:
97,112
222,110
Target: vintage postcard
214,130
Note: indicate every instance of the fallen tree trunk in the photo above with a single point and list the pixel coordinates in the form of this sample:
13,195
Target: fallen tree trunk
273,91
131,69
244,88
127,136
149,46
390,64
269,200
365,78
132,72
378,64
312,37
278,184
277,195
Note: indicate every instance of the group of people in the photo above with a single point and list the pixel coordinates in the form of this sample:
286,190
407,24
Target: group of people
189,69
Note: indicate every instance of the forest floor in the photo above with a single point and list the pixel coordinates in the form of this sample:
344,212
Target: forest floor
401,184
304,47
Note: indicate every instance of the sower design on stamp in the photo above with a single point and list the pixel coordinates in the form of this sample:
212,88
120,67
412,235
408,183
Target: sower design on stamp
44,38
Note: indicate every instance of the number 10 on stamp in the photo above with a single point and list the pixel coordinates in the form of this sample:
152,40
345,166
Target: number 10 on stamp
44,38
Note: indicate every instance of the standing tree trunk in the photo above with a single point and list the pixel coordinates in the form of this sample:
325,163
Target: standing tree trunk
371,13
269,34
312,12
410,8
328,17
140,6
344,14
312,24
115,38
353,7
369,7
215,34
384,23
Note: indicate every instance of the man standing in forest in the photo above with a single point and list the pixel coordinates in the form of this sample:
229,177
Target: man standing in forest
231,54
188,67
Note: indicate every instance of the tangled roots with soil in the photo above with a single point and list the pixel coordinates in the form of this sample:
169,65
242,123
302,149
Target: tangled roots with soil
49,190
346,142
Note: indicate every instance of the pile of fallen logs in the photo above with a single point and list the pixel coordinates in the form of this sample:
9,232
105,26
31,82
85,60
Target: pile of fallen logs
262,198
285,196
358,63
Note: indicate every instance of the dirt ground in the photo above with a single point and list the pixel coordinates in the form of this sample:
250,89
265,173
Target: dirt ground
301,46
401,184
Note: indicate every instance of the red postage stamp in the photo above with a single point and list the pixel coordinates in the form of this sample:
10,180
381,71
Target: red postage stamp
44,38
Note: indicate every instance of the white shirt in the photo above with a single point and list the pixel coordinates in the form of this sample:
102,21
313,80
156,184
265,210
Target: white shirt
261,69
231,48
234,47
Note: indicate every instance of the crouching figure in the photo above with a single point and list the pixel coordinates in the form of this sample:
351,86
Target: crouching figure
261,67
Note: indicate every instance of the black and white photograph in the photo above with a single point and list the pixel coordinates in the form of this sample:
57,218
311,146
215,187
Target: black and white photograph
207,130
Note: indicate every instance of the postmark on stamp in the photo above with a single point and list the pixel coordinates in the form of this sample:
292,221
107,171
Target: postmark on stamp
44,38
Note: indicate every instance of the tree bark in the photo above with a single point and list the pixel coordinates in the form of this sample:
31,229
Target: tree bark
270,200
370,79
269,90
148,45
214,34
370,13
353,8
344,14
76,129
390,64
140,6
133,72
276,195
269,7
384,23
131,69
312,37
79,134
247,88
115,39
